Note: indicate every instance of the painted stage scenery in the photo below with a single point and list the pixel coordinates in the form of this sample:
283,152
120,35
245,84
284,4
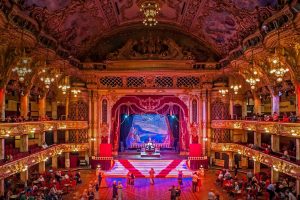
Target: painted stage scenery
149,128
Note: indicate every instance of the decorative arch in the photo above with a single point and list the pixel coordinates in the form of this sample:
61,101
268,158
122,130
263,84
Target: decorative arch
150,105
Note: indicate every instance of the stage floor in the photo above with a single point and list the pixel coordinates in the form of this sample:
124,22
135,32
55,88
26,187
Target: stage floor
164,155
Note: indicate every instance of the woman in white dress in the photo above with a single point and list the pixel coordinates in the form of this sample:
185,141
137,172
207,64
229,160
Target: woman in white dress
120,191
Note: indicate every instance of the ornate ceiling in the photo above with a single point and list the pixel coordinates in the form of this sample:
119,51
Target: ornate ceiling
218,25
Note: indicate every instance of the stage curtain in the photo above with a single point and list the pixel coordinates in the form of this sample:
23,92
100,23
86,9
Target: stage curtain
105,150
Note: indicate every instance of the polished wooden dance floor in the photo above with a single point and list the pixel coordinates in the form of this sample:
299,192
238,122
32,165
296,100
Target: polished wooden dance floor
142,190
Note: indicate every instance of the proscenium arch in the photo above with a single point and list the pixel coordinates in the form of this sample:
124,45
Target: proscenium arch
161,102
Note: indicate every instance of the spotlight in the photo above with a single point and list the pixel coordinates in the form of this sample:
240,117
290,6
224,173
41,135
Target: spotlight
126,116
173,116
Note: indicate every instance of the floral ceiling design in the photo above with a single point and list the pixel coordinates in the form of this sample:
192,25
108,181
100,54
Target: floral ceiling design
219,24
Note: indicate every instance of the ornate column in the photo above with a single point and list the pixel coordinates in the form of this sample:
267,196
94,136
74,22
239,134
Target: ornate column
42,106
24,176
275,143
200,116
42,167
94,123
67,136
297,90
275,103
231,104
2,104
206,117
24,105
67,160
256,167
24,143
274,175
90,132
298,187
2,149
54,162
257,104
54,109
257,138
231,160
41,138
67,106
297,148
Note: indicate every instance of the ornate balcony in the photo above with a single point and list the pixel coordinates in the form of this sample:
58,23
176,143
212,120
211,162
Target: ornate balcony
276,163
277,128
15,129
22,164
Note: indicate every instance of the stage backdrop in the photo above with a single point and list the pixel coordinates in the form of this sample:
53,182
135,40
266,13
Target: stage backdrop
149,105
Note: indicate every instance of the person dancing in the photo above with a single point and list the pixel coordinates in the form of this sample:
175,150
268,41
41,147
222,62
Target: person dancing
151,173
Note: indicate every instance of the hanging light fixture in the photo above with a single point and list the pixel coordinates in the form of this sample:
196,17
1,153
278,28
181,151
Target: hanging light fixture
64,86
23,65
235,86
253,77
75,92
150,10
277,67
48,76
224,90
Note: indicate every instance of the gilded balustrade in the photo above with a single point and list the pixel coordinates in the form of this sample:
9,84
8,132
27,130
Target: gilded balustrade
22,164
277,128
15,129
271,161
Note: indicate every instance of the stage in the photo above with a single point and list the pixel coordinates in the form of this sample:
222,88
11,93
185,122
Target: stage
164,155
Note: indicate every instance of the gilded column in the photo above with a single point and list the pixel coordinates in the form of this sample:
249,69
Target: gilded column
67,160
257,138
275,143
200,114
297,148
257,104
41,139
67,106
67,136
42,106
24,143
275,104
90,134
297,90
2,148
55,136
256,167
274,175
24,105
42,167
24,176
54,162
54,109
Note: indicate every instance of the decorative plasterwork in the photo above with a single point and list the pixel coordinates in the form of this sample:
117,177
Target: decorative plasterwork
15,129
277,128
22,164
271,161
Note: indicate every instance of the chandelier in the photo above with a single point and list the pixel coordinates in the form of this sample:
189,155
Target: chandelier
253,78
48,78
276,63
223,91
65,86
150,9
75,92
22,68
235,88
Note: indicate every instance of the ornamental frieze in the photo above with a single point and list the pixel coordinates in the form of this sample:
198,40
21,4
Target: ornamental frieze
271,161
276,128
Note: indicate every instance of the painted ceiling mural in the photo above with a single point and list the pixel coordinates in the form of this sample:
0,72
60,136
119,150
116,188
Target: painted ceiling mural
218,24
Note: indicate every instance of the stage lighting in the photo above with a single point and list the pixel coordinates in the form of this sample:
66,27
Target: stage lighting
126,116
173,116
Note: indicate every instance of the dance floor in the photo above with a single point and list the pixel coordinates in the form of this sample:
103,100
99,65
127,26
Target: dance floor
142,190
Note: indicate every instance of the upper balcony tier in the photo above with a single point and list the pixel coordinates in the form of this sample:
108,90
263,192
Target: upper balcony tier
274,162
15,129
277,128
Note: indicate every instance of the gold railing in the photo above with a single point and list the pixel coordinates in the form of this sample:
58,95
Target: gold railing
22,164
15,129
277,128
276,163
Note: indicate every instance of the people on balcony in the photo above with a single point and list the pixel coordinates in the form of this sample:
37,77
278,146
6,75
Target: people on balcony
275,117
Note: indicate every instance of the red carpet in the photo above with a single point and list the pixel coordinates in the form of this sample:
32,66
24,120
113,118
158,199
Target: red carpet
131,168
168,169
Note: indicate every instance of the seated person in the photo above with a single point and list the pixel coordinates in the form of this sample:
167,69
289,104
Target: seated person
285,118
275,117
293,118
44,145
227,175
285,155
41,178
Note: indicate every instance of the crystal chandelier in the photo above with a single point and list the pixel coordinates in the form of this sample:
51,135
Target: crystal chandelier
253,78
65,86
235,88
223,91
22,68
47,78
150,9
75,92
277,67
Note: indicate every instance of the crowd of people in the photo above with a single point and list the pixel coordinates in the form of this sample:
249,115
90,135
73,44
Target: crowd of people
275,117
252,186
51,185
18,119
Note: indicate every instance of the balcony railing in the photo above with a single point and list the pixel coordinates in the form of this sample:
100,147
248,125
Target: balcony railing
22,164
277,128
14,129
274,162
